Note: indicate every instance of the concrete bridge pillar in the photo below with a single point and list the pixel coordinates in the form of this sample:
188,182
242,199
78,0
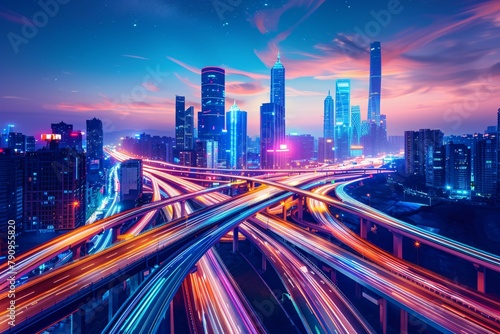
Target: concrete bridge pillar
183,209
300,207
116,233
235,239
382,304
397,245
264,262
403,321
481,278
364,226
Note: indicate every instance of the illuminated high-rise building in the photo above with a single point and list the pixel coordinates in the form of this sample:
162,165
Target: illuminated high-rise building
278,83
355,125
375,82
342,119
272,136
55,188
184,124
130,179
212,115
236,122
95,152
328,117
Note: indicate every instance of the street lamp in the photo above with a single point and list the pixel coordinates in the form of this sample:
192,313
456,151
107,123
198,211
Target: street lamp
369,199
416,244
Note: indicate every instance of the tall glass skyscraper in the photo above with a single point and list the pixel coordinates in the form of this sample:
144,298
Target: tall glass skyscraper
278,83
328,117
272,136
236,122
213,95
355,125
375,83
184,124
95,153
342,119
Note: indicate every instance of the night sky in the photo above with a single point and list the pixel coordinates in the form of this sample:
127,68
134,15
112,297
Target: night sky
124,61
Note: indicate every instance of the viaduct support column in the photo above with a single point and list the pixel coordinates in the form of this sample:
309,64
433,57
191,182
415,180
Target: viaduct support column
481,278
403,321
264,262
382,304
77,251
116,233
235,239
183,209
300,207
397,245
364,225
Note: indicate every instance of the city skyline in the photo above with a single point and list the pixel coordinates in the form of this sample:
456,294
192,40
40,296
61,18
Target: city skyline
425,47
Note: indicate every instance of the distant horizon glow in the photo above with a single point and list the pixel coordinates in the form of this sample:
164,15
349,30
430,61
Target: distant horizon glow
125,66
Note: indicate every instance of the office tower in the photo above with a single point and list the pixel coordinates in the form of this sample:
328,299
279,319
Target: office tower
485,173
278,83
396,143
436,166
417,147
30,144
300,147
206,153
130,179
11,193
184,124
497,160
272,136
342,119
236,122
212,114
355,125
55,187
343,102
17,141
458,170
375,83
325,150
64,130
95,152
187,158
328,117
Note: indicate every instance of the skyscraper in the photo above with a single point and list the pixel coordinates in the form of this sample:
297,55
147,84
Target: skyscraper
278,83
65,131
328,117
355,125
212,114
130,179
342,119
497,160
55,188
11,194
272,136
95,153
375,82
184,124
237,133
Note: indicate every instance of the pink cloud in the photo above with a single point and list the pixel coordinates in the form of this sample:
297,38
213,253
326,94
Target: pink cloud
135,57
151,87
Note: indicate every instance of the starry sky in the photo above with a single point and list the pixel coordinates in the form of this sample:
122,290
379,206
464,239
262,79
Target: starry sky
124,61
